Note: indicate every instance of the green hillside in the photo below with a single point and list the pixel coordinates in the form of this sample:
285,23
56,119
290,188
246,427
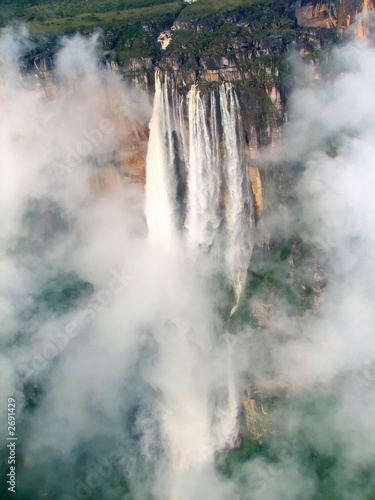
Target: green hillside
130,28
203,8
62,15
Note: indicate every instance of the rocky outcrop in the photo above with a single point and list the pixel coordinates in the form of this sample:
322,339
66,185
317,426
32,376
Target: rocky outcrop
256,185
256,412
328,14
229,46
320,15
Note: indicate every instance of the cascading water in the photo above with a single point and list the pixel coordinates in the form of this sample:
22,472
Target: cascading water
213,158
238,213
161,185
198,192
203,218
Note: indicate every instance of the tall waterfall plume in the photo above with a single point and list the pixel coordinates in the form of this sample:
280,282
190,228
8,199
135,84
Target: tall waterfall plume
203,174
162,156
238,213
190,175
198,193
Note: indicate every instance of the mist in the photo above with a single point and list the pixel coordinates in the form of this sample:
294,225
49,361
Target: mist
109,343
129,375
325,357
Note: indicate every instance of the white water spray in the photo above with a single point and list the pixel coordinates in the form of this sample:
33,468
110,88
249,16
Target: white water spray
212,158
239,219
203,218
216,206
161,185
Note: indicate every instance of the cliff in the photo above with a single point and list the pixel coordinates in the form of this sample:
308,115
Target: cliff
247,43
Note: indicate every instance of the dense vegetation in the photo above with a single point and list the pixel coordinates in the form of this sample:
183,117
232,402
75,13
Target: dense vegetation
204,8
130,27
61,15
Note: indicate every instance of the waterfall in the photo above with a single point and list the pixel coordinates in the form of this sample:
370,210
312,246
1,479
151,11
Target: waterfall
203,174
198,193
186,171
161,186
238,212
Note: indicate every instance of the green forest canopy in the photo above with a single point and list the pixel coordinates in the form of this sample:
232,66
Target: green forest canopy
56,15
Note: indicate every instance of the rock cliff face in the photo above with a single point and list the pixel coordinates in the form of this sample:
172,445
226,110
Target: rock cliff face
231,47
320,15
327,14
247,46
